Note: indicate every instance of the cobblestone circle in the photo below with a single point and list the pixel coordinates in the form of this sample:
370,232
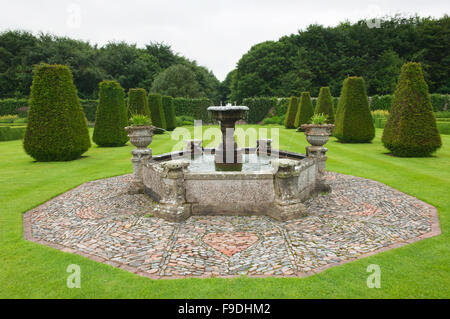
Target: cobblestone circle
358,218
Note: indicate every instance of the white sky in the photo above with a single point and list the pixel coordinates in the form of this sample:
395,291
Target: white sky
215,33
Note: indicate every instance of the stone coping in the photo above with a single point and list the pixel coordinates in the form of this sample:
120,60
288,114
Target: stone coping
303,162
247,150
218,175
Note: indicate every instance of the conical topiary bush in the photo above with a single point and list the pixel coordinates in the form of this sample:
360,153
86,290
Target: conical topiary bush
112,116
157,112
305,110
325,104
354,122
57,127
410,130
289,120
137,102
169,112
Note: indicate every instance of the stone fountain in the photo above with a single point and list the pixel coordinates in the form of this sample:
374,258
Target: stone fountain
229,180
228,157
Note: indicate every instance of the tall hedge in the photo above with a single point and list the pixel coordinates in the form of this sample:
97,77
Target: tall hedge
157,112
380,102
258,107
411,127
291,113
89,108
281,106
57,127
137,102
169,113
111,117
440,102
325,104
354,122
305,110
10,106
196,108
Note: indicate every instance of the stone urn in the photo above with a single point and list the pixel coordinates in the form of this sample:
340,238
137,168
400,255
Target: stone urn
140,135
317,134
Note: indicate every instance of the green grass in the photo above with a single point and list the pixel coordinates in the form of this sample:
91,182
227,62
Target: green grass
30,270
443,124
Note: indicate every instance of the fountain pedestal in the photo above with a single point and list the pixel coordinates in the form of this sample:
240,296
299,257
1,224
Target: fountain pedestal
228,157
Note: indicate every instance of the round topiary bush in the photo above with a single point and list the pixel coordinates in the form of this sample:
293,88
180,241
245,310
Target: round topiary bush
325,104
111,117
289,120
137,102
57,127
410,130
354,122
169,112
305,110
157,112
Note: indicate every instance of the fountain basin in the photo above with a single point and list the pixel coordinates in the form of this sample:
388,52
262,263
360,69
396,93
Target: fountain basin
275,185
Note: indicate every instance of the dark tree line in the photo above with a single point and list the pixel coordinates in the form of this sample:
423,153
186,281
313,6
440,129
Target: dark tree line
324,56
131,66
312,58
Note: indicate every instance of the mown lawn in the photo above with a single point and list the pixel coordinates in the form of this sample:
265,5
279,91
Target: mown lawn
29,270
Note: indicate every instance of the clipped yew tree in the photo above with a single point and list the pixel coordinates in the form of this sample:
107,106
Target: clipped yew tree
325,104
411,130
169,113
289,120
305,110
353,123
137,102
112,116
157,112
57,127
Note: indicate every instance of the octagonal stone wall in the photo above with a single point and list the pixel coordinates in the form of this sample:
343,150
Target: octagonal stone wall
230,193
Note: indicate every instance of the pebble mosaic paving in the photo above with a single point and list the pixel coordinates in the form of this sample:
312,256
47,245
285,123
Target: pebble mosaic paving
358,218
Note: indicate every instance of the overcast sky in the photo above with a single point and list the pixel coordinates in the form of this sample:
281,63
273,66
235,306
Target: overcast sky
215,33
